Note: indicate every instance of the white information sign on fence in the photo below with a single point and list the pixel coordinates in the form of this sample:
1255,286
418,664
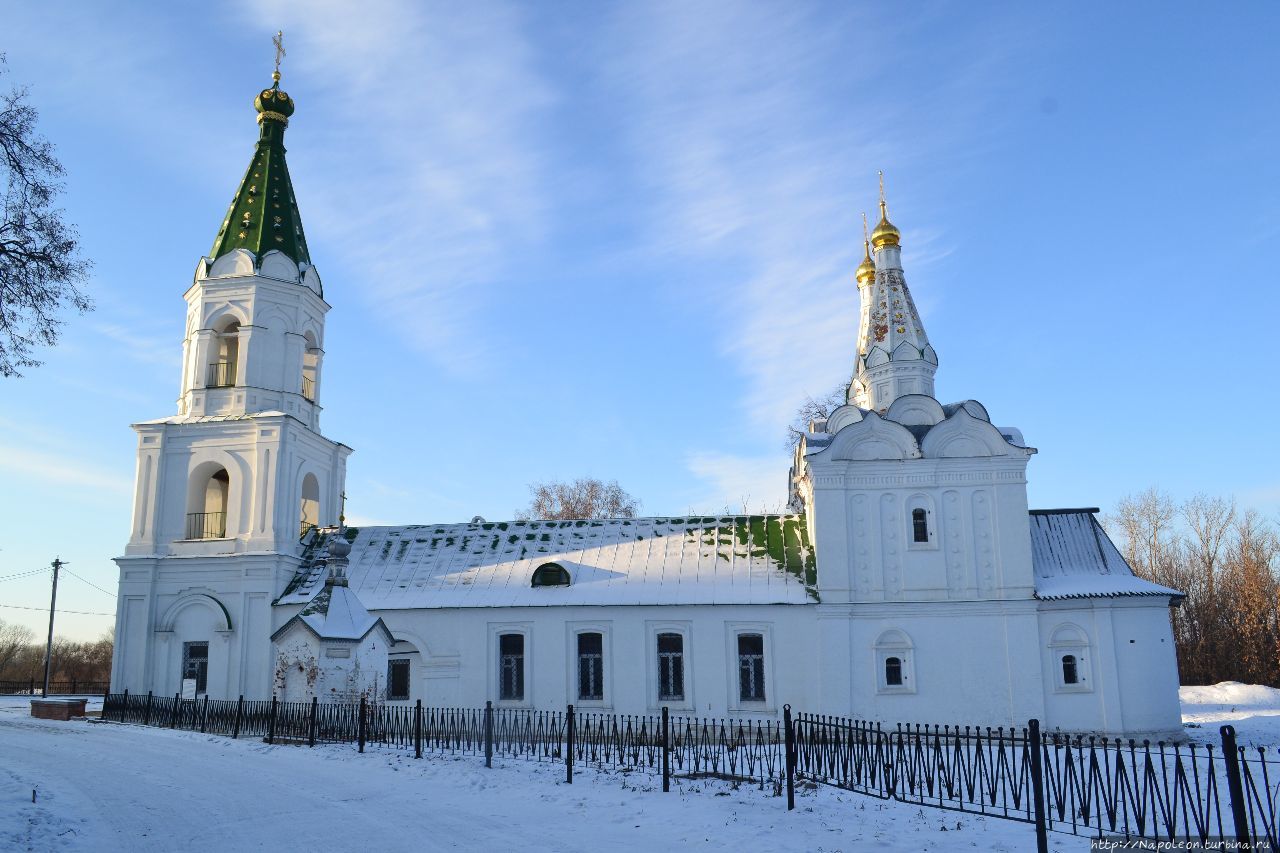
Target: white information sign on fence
188,688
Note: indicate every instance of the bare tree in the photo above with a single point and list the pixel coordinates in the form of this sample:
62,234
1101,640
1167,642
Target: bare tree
40,263
585,497
815,409
13,639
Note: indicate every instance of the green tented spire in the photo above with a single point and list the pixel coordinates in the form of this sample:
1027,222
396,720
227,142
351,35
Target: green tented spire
264,214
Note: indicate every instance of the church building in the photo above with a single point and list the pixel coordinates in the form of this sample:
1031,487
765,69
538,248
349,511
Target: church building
908,582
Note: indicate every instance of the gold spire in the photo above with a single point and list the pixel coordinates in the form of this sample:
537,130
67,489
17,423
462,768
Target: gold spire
866,272
886,234
278,41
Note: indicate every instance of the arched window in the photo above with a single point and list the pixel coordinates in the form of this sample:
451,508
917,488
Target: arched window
226,356
207,502
1069,656
919,526
310,367
893,671
895,662
1070,674
310,503
551,574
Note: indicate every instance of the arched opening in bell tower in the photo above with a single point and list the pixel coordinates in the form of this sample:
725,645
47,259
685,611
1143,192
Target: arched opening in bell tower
310,367
310,503
207,498
226,356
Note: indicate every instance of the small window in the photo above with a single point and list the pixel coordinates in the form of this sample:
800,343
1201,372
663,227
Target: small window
1070,672
670,667
551,574
919,525
893,672
590,666
511,666
751,667
195,664
398,679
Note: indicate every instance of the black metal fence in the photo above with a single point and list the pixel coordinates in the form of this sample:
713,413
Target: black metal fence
33,687
1082,785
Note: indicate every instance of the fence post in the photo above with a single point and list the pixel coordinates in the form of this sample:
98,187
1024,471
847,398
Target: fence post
488,733
271,731
360,734
789,748
1231,756
173,712
235,732
417,729
311,726
666,749
1037,785
73,685
568,755
124,709
204,715
146,716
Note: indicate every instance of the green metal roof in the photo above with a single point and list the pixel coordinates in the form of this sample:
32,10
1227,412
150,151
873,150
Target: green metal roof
264,213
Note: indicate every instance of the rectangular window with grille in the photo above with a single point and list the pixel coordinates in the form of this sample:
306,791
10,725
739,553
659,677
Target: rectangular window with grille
195,664
511,666
398,678
670,667
590,666
751,667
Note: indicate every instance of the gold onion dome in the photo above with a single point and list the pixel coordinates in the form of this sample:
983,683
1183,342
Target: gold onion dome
866,271
886,233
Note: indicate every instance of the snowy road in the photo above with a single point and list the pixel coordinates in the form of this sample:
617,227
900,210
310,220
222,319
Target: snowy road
107,787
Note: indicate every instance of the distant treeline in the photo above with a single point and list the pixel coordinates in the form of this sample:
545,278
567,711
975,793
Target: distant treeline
22,657
1225,559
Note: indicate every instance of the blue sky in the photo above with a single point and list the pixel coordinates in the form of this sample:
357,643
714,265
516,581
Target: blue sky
617,240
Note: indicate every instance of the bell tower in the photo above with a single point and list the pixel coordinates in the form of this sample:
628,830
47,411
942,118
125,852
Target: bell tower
227,488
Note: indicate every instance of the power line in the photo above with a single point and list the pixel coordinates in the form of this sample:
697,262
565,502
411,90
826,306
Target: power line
23,574
46,610
90,583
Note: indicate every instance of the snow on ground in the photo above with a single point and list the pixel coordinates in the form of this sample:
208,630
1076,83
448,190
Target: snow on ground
105,787
1254,711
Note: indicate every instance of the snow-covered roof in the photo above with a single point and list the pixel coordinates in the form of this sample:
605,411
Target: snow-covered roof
335,613
700,560
1074,558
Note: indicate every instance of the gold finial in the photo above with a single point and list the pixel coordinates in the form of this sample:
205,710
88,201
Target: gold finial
885,234
866,271
278,41
342,513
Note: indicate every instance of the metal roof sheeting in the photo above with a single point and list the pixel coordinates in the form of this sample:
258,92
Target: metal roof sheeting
1074,558
700,560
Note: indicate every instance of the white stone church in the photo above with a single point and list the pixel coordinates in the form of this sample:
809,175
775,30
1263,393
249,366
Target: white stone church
911,582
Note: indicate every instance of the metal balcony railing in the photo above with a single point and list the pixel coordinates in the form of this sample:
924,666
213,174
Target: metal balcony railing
206,525
309,388
222,374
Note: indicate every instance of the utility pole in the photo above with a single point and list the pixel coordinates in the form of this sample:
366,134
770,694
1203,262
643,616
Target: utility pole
48,647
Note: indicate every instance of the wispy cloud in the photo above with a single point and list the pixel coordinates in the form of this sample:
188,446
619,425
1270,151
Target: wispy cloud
730,125
736,483
65,470
429,177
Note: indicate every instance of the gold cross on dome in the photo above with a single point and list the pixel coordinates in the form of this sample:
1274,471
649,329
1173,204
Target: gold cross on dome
278,41
342,513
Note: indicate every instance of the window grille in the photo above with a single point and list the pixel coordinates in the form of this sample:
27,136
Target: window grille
1070,671
751,667
919,526
511,666
195,664
893,672
670,667
590,666
398,679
